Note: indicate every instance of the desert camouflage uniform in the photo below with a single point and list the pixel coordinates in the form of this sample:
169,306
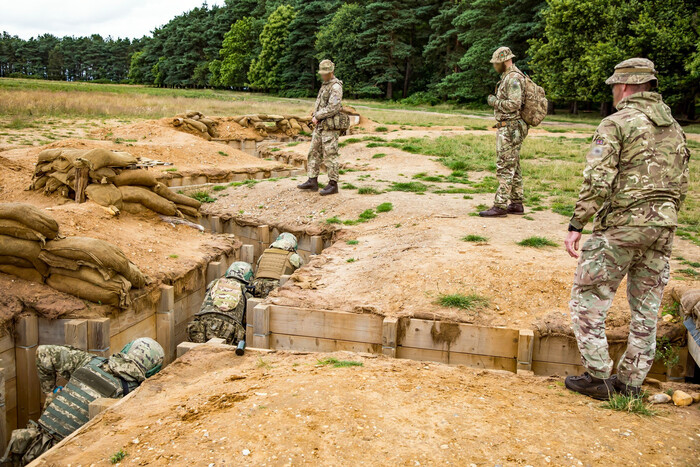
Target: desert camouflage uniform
512,131
26,444
635,179
325,142
222,313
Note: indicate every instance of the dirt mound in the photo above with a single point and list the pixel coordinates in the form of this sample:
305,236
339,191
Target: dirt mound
211,407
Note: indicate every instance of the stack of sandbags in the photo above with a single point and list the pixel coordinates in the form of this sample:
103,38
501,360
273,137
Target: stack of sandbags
254,121
197,122
91,269
23,231
290,125
187,206
690,303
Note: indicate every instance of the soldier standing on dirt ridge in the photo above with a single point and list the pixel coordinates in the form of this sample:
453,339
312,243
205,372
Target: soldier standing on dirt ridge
89,378
327,127
512,130
635,180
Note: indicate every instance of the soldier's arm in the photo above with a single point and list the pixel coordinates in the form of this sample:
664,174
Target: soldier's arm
334,103
514,95
53,361
685,175
601,170
296,261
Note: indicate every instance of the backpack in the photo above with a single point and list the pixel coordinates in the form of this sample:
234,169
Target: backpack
535,106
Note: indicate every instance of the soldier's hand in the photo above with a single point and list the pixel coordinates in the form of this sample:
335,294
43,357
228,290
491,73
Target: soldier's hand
491,100
314,121
571,242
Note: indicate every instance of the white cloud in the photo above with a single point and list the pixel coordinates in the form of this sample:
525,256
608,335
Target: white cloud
123,18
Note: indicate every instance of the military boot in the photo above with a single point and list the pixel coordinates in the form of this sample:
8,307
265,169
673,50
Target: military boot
516,208
330,189
311,184
494,212
623,388
588,385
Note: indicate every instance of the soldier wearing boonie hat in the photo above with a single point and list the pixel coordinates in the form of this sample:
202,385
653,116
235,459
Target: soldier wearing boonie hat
636,178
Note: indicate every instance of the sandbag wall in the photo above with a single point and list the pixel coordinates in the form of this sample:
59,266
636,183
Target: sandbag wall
290,125
91,269
114,182
197,122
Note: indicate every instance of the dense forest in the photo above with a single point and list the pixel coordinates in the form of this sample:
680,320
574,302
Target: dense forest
426,51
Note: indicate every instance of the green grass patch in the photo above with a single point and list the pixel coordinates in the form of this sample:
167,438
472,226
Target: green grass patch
335,363
293,143
379,155
171,169
385,207
381,129
464,302
537,242
692,264
348,186
350,260
218,187
118,456
689,272
202,197
173,256
333,220
366,215
367,190
630,404
413,187
222,153
352,242
475,239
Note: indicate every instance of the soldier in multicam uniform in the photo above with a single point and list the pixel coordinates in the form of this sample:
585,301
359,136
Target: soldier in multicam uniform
324,140
89,377
636,178
512,130
222,314
278,260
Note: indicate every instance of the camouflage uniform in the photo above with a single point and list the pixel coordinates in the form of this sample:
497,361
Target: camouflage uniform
325,142
262,286
136,362
512,131
635,179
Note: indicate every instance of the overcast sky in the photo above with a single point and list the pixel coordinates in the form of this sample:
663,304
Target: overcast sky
116,18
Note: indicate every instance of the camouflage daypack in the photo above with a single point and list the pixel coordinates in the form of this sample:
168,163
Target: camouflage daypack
534,102
222,314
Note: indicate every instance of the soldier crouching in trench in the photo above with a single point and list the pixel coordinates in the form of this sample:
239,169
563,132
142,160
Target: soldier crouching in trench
89,377
636,178
279,260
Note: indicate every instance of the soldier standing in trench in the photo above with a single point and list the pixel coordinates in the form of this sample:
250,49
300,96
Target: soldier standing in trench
324,141
635,180
512,130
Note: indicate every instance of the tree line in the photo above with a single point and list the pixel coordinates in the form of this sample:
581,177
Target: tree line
424,52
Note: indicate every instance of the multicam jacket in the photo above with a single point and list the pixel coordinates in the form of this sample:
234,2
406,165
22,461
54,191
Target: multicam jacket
509,95
328,102
637,168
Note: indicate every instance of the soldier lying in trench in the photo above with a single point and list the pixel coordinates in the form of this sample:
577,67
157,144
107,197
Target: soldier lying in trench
279,260
222,313
89,377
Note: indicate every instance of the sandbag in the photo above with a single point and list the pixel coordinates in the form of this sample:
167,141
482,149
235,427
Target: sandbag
26,249
104,195
110,293
67,178
39,183
135,276
28,274
31,216
189,211
176,198
52,185
16,261
138,177
88,274
66,161
105,173
294,124
42,168
177,121
154,202
90,250
207,121
95,159
48,155
196,125
135,208
192,113
18,230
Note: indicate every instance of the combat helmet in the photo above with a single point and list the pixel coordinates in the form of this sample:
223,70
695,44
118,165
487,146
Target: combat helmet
326,67
146,353
241,271
633,71
285,241
501,55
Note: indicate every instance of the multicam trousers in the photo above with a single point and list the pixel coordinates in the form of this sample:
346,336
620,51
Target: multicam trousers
324,145
510,180
641,253
263,287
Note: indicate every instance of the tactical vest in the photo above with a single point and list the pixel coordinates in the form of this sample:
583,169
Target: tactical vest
222,314
69,410
274,263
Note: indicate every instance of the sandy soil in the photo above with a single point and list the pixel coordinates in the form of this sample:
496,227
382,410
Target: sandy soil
211,408
407,257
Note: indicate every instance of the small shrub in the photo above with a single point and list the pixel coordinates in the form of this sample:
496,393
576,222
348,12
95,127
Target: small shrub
385,207
537,242
118,456
367,190
465,302
475,239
